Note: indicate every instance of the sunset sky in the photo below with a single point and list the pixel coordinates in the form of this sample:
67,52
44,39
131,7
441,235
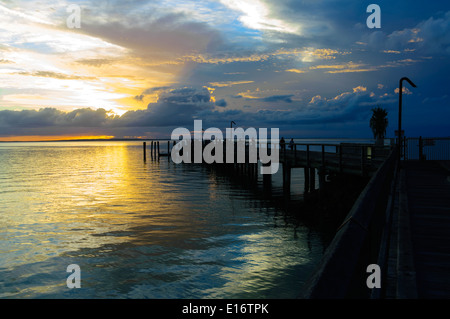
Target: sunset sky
139,68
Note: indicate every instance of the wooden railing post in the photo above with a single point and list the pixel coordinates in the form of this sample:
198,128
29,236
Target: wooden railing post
362,160
421,158
323,155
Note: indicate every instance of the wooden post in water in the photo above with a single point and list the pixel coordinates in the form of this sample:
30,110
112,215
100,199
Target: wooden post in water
168,150
158,148
145,149
267,182
321,180
286,178
151,149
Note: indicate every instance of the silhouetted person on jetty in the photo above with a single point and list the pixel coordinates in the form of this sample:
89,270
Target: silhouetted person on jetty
282,143
291,144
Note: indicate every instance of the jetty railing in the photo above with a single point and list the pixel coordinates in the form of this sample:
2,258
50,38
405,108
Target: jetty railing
429,148
350,158
342,157
342,272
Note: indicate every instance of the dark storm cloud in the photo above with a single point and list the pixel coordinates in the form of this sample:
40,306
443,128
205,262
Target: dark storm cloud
221,103
431,36
153,90
269,99
52,117
346,108
278,98
174,107
180,107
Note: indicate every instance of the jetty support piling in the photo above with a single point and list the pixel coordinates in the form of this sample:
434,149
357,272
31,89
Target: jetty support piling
322,173
144,146
151,150
312,179
168,151
267,178
307,181
287,178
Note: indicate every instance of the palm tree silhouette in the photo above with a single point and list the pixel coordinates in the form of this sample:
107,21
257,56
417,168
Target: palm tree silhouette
379,123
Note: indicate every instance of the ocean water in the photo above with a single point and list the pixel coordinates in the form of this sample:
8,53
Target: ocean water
148,229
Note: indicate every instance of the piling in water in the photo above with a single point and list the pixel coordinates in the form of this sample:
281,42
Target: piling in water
144,149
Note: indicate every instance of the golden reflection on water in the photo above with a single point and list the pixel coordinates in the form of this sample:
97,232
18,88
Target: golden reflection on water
65,198
102,204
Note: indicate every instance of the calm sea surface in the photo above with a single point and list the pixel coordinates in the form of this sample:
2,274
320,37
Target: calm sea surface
143,229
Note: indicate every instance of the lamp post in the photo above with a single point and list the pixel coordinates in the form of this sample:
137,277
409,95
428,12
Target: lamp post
400,113
231,131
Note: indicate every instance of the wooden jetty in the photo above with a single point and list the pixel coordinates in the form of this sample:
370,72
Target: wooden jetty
320,159
326,159
359,241
155,150
400,221
420,265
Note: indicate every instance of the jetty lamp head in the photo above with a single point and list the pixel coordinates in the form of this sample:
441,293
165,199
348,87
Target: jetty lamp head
409,81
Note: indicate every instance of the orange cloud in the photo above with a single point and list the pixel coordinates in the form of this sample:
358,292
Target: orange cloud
296,71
